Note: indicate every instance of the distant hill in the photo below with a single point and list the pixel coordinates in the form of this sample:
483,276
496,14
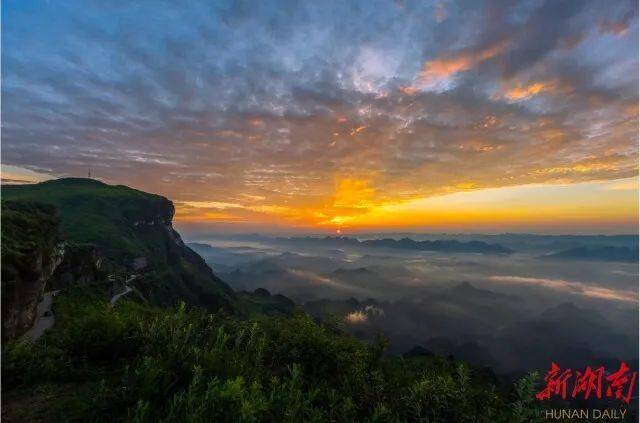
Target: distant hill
350,273
599,253
567,334
449,246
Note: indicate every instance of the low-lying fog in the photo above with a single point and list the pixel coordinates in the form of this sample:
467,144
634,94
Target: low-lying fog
570,299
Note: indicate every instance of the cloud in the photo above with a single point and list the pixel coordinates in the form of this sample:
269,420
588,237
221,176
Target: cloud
524,91
358,317
17,175
624,185
437,70
577,288
267,107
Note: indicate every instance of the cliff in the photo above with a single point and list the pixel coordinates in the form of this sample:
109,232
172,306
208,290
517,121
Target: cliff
31,251
133,232
80,265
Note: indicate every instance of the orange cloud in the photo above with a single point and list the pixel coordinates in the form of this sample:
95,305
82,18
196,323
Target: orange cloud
616,28
489,121
479,146
438,69
466,186
256,123
522,92
409,90
353,193
631,110
357,130
527,90
585,166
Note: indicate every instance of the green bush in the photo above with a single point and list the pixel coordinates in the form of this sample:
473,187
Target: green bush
185,365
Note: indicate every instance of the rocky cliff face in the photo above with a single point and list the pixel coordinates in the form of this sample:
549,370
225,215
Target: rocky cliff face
173,272
80,265
31,252
133,232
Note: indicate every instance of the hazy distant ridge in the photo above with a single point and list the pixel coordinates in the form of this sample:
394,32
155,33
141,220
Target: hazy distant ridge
452,246
604,253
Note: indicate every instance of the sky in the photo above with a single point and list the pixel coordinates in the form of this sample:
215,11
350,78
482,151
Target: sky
334,116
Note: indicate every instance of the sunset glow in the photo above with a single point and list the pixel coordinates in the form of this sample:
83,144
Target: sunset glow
546,208
515,118
362,210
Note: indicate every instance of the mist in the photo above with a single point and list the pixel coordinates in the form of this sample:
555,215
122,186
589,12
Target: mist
569,299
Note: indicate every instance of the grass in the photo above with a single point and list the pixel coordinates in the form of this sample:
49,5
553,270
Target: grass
96,213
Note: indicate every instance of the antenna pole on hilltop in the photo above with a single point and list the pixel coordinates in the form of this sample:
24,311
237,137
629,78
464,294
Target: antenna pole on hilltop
89,173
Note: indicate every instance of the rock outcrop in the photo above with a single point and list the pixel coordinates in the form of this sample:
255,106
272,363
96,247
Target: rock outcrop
80,265
133,233
31,252
111,231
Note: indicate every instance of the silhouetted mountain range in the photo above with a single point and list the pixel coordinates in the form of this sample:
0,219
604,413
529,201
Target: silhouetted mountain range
604,253
451,246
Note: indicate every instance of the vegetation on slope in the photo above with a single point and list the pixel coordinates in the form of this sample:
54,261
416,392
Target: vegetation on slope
29,231
96,213
29,254
126,224
249,361
137,363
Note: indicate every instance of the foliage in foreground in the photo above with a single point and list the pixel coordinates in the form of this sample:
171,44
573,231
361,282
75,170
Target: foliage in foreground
140,364
28,238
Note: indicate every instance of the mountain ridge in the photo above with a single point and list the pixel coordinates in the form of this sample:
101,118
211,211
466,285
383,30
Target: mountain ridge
444,245
133,232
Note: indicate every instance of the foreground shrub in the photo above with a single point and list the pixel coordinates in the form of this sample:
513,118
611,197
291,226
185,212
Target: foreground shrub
189,366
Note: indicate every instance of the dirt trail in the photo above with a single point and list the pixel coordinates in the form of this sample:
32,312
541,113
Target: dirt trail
45,318
127,289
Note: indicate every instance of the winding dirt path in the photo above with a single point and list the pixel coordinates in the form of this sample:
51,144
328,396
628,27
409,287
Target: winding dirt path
127,289
45,318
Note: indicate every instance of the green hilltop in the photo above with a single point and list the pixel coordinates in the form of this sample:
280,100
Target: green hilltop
126,225
93,212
